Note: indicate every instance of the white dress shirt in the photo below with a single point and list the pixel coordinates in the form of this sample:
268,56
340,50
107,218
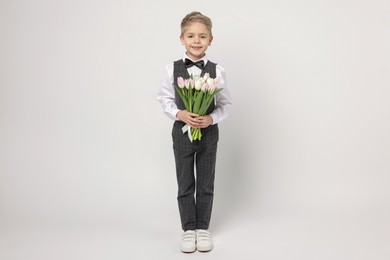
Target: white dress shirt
166,93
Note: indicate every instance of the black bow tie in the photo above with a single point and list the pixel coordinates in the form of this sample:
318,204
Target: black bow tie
189,63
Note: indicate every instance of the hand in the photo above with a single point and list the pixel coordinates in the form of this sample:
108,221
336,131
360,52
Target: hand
204,121
189,118
194,120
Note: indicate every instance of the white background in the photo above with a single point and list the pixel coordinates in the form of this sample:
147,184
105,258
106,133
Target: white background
86,160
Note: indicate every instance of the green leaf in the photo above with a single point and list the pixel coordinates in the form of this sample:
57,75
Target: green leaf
198,102
183,97
190,97
217,91
206,103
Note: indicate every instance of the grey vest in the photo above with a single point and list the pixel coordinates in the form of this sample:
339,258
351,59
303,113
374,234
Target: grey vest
179,70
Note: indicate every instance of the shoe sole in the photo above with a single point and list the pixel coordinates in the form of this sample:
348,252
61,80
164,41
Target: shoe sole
187,251
205,249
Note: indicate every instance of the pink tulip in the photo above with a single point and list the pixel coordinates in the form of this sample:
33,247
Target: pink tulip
192,82
204,87
217,82
212,87
187,83
180,82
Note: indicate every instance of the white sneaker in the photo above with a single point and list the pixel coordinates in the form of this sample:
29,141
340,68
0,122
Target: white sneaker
204,242
188,241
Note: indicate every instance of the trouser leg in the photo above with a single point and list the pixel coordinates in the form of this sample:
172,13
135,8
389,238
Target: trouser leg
184,159
205,175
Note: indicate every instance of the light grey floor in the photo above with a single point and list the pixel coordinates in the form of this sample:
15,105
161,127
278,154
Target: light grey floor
301,234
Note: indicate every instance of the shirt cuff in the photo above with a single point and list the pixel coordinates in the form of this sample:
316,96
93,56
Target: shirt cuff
174,113
214,119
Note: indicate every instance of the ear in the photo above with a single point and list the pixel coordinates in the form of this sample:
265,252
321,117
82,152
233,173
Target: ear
182,39
211,39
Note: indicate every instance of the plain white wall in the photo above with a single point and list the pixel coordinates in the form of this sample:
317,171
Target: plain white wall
84,140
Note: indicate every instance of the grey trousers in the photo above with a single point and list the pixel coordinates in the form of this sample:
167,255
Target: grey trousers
195,214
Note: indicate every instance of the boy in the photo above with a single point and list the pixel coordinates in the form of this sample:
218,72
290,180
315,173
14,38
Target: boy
195,216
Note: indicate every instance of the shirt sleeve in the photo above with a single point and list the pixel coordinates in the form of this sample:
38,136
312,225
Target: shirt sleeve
166,93
222,99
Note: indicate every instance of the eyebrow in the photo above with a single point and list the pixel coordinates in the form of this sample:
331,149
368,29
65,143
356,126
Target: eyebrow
190,33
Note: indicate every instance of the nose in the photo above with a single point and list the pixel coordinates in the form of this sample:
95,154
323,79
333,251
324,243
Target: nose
196,39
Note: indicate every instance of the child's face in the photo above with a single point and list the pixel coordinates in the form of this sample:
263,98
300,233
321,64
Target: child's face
196,39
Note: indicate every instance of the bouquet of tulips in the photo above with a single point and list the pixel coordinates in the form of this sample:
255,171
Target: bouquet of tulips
197,93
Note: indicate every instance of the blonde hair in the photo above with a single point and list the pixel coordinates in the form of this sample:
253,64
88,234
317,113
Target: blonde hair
196,17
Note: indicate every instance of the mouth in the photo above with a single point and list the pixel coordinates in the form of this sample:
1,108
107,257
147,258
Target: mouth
196,48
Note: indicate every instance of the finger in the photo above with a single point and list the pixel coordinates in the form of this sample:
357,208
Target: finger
192,114
194,120
193,123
